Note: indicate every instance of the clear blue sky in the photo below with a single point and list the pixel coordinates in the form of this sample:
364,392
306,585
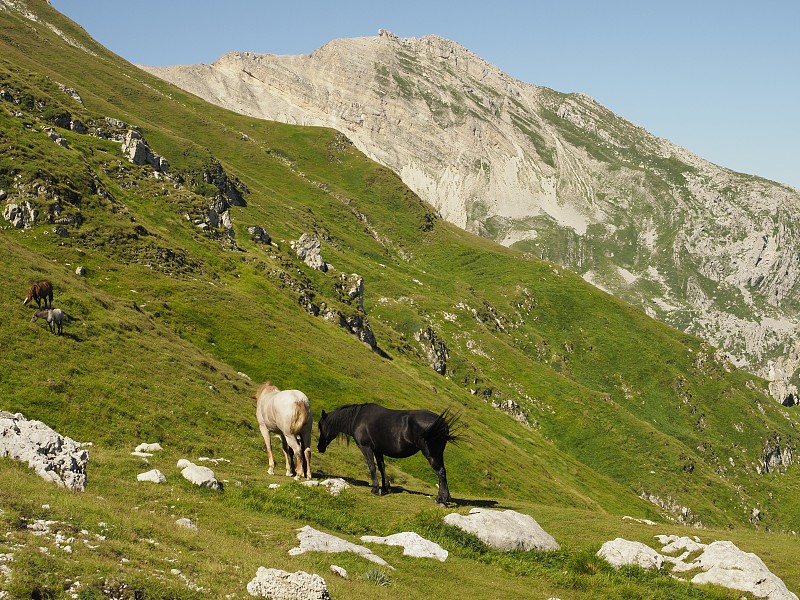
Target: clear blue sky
718,77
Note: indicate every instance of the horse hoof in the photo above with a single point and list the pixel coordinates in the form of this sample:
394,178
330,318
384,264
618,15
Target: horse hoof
376,491
271,471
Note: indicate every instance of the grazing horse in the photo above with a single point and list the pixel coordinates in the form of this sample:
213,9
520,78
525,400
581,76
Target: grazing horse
380,431
40,290
287,413
53,316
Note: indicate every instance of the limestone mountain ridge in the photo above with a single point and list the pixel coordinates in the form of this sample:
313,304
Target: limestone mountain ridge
700,247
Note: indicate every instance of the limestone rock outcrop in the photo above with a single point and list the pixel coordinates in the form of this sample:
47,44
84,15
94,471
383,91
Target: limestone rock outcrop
54,457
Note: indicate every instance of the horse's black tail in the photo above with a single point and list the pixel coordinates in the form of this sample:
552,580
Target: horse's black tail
445,427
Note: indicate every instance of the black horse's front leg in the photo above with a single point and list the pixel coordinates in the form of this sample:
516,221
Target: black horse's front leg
370,458
382,468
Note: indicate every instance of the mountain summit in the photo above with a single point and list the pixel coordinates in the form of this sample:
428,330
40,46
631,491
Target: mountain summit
702,248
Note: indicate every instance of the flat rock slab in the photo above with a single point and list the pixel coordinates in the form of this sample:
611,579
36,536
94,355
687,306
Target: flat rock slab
504,530
312,540
413,545
282,585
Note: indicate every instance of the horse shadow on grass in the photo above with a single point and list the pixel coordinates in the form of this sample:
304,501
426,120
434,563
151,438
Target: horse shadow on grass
399,489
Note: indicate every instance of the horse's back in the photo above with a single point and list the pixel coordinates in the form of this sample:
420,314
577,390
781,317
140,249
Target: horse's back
285,410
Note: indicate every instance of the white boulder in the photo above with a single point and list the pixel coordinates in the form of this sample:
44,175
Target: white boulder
413,545
201,476
504,530
282,585
155,476
621,552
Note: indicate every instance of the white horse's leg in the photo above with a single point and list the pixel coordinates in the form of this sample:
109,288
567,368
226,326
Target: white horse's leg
268,442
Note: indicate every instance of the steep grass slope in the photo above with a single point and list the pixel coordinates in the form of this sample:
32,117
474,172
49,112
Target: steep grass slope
577,408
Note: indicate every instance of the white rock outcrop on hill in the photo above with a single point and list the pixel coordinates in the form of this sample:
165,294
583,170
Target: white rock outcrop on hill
721,563
505,530
558,173
54,457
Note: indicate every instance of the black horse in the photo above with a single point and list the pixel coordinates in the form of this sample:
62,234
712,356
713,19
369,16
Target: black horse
380,431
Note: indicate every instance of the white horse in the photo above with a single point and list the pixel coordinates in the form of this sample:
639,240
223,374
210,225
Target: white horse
288,414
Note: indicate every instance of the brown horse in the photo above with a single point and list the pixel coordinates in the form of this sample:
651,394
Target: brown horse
287,413
40,290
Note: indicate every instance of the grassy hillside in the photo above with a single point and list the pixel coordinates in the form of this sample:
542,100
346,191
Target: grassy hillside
576,406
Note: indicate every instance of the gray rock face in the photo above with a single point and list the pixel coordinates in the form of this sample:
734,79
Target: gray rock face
282,585
139,153
54,457
308,250
505,530
21,216
557,175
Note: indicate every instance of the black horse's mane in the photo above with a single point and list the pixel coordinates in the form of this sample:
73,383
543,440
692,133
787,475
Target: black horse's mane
341,418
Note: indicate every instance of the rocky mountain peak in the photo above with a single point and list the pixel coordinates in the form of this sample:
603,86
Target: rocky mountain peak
702,248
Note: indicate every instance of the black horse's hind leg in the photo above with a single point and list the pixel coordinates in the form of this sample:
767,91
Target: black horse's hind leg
370,458
288,454
382,469
434,452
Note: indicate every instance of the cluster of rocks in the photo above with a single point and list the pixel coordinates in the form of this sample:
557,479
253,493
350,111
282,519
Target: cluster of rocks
503,530
721,563
54,457
197,474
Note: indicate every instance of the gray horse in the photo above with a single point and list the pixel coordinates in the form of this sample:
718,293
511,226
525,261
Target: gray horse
53,316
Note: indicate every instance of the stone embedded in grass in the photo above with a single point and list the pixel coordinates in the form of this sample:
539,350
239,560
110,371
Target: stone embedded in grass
413,545
201,476
282,585
620,552
335,485
505,530
312,540
186,523
154,476
148,447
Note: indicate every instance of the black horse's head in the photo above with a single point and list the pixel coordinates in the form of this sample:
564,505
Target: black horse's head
325,436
